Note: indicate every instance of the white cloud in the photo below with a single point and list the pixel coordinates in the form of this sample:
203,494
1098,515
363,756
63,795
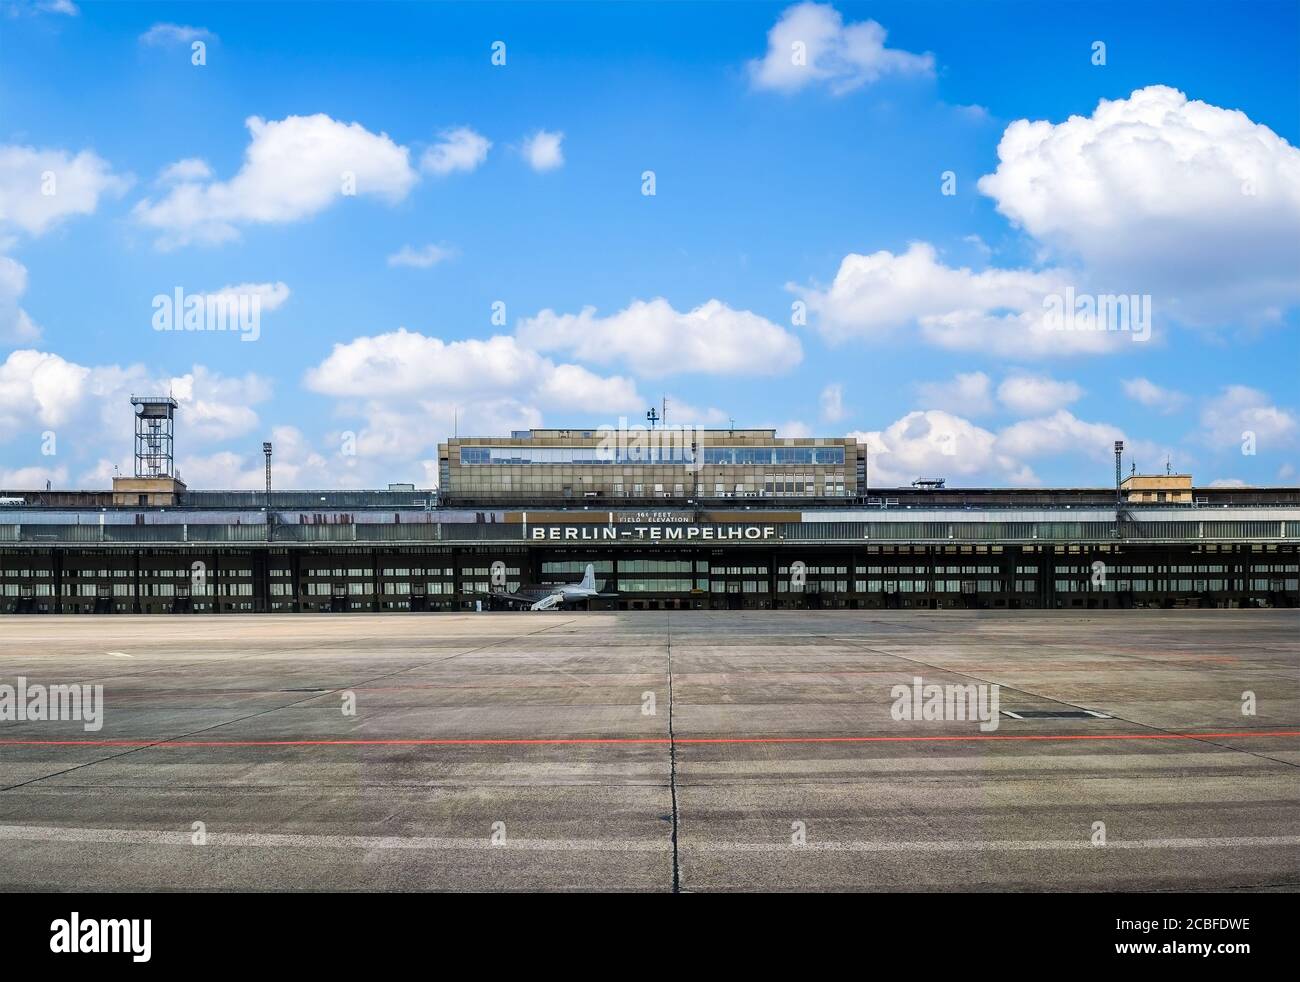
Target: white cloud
41,188
88,411
33,478
271,296
542,150
1191,207
1239,410
460,149
228,470
1154,396
574,387
189,169
933,443
655,340
1229,482
295,464
810,43
38,190
406,364
793,429
293,169
1060,433
683,413
966,394
66,7
998,311
219,431
1029,395
973,113
422,258
38,387
979,245
18,8
213,407
1194,204
403,391
16,327
164,34
832,400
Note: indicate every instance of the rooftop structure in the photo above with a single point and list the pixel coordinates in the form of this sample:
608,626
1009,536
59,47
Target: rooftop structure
1157,488
613,464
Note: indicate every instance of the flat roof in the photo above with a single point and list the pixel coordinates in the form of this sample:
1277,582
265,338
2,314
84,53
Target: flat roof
308,500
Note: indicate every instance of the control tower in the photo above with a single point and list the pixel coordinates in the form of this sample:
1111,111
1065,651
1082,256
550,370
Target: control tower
155,481
155,417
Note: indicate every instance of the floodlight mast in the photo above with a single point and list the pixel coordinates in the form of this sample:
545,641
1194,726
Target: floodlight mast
1119,456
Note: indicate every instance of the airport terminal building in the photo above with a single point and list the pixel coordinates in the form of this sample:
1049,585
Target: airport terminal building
703,519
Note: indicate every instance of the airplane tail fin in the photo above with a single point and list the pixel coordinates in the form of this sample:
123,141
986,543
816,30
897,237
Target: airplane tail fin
589,578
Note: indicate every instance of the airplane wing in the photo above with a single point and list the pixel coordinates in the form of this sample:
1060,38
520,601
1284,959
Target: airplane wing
533,600
521,598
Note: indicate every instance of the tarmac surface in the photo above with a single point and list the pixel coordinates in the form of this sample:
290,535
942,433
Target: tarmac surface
656,751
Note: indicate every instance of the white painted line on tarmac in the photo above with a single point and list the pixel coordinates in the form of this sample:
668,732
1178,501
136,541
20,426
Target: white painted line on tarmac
1007,845
260,840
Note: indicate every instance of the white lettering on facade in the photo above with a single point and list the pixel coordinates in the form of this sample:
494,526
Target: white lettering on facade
652,533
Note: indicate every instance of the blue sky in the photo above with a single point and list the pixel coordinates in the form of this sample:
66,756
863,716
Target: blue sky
818,184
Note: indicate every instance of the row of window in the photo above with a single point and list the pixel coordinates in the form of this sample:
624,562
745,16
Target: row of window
683,585
1180,585
640,453
1117,576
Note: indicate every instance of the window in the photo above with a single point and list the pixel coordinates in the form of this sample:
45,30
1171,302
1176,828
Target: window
671,448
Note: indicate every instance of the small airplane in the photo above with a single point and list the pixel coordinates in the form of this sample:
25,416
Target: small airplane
551,597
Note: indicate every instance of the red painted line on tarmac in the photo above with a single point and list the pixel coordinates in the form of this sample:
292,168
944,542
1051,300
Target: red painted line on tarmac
565,741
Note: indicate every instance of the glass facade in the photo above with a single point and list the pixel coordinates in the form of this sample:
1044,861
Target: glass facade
677,463
733,456
742,456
